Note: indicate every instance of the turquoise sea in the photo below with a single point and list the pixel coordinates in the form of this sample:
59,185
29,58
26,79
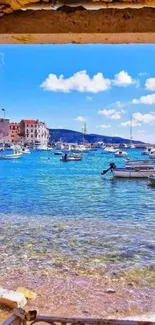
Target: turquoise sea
66,216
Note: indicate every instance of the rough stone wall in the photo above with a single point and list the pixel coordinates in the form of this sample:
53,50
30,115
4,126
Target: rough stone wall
8,6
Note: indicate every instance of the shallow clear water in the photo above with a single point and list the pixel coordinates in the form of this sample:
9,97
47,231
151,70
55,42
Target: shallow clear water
66,216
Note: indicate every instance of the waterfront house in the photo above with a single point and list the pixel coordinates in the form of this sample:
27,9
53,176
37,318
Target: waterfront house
14,132
34,132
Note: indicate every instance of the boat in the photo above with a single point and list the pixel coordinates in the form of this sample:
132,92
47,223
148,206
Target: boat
151,180
130,172
75,155
138,162
66,158
134,172
148,151
16,155
80,148
58,153
42,147
120,153
109,149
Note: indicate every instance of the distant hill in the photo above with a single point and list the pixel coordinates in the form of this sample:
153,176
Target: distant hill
70,136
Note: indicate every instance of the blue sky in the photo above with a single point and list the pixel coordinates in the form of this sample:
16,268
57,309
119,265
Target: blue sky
102,84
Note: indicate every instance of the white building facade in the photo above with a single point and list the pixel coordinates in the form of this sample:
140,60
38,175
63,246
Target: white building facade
34,132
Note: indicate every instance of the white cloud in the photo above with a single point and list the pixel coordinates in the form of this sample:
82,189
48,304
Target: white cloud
104,126
147,100
123,79
80,119
148,118
139,119
1,58
150,84
80,81
89,98
111,113
128,123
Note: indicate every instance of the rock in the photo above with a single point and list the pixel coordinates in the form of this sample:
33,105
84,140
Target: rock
109,290
27,293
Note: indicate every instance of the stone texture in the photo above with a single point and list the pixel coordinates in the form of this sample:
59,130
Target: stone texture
79,21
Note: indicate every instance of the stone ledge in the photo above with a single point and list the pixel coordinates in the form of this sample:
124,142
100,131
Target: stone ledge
103,21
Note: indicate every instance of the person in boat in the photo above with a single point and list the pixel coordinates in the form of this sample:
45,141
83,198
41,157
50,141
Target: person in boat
65,156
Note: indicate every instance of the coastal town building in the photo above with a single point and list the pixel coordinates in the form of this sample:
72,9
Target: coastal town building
14,132
34,132
4,130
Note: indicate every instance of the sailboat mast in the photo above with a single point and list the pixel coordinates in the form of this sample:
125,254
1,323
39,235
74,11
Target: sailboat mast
131,130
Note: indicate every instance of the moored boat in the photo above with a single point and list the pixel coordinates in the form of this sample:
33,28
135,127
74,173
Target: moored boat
66,158
120,153
109,149
11,156
133,172
138,162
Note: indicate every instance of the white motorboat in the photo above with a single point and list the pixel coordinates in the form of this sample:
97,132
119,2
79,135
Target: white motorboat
80,148
16,155
120,153
109,149
66,158
130,172
138,162
42,147
151,180
133,172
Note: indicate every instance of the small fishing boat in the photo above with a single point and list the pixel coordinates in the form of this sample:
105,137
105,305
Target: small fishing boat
58,153
138,162
151,180
133,172
130,172
120,153
109,149
66,158
11,156
75,155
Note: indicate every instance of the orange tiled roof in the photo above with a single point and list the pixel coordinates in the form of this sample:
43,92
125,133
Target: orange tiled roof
30,121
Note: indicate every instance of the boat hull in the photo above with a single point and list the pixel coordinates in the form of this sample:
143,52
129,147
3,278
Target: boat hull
131,173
